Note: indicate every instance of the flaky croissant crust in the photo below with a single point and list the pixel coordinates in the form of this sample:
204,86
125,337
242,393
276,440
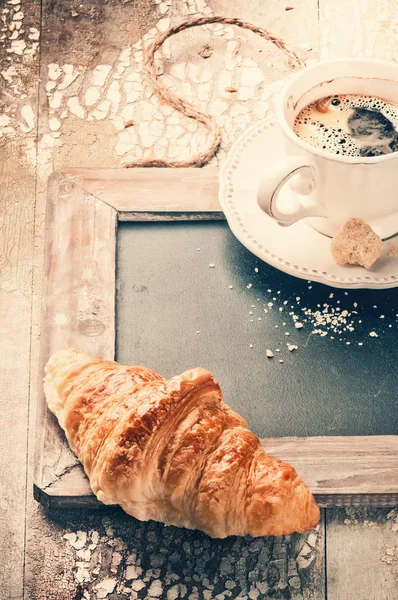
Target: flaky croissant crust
172,451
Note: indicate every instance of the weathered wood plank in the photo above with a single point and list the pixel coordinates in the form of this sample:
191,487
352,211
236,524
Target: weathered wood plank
340,471
358,29
16,240
133,190
18,101
78,299
362,555
80,264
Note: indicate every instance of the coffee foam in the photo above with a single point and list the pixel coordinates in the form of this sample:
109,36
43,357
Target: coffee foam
351,125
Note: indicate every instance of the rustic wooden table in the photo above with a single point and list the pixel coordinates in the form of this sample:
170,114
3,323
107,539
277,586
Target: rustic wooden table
71,76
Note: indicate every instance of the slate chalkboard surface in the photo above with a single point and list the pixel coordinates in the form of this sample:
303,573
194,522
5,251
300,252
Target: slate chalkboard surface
175,311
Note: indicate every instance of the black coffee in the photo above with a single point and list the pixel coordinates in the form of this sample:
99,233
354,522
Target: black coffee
350,124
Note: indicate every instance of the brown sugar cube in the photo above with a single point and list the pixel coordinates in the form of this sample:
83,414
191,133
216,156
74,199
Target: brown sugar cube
356,244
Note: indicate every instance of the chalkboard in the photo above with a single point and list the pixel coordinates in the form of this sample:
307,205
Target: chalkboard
189,294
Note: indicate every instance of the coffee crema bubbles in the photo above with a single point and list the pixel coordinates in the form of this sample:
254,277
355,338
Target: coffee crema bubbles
349,124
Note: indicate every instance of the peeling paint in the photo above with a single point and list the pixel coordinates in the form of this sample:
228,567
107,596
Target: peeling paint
111,561
120,93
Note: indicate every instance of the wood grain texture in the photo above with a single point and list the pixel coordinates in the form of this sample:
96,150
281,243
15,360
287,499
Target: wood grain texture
358,29
80,264
361,555
150,190
16,241
17,209
78,300
341,471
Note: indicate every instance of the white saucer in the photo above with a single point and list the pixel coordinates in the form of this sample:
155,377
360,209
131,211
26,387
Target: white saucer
299,249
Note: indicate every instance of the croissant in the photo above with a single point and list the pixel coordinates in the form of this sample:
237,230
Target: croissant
172,451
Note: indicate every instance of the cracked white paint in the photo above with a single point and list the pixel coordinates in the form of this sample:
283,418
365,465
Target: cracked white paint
17,47
54,71
55,100
91,96
105,587
100,75
34,34
69,77
144,127
75,107
54,124
17,116
29,118
4,120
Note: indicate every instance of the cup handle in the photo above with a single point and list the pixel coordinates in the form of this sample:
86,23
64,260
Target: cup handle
280,173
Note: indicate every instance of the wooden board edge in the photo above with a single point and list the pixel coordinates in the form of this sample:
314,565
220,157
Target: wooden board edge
158,216
51,501
303,453
66,217
149,190
61,185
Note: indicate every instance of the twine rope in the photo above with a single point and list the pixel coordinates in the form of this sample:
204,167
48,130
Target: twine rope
185,107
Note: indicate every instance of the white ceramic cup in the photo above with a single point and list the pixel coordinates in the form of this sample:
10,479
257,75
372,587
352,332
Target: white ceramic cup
332,188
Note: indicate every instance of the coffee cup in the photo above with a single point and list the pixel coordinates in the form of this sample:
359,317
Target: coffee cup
331,188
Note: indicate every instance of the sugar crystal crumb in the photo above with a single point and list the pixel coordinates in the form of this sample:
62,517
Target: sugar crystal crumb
373,334
256,269
269,353
292,347
249,286
281,361
251,345
212,265
231,287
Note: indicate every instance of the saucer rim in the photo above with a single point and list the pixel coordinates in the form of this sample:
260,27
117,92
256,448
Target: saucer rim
231,212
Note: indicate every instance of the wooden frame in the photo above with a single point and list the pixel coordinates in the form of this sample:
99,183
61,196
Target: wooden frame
84,207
